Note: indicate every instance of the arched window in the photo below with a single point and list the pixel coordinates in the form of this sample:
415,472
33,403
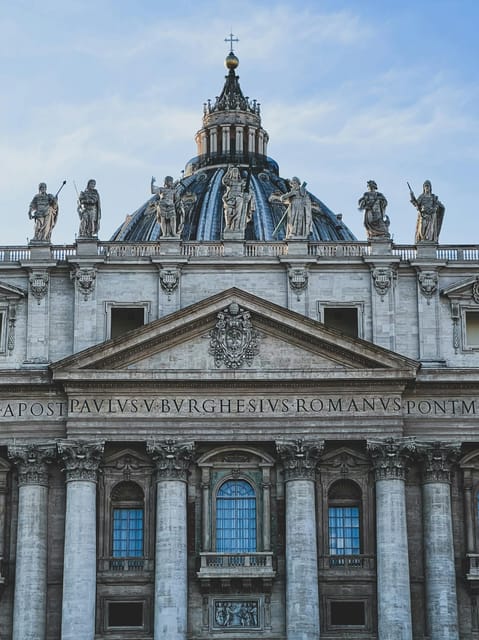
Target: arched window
344,502
127,500
236,517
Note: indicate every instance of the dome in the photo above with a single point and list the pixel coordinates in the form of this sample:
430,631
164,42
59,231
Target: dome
231,138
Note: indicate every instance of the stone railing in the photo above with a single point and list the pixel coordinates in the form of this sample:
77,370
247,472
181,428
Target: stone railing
236,565
131,251
124,565
347,563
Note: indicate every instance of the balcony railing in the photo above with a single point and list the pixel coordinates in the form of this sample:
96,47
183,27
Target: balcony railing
128,251
125,564
236,565
347,563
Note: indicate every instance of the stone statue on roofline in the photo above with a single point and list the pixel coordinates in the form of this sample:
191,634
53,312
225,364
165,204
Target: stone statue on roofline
238,201
89,210
430,214
374,204
299,210
43,210
168,207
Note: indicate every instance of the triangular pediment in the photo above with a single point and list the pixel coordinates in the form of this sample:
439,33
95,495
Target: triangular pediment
10,292
234,335
463,289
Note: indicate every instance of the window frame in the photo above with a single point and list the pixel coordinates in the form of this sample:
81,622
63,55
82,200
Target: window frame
465,310
221,484
3,328
322,305
109,305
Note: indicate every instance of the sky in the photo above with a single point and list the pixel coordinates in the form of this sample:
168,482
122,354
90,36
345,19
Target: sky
350,90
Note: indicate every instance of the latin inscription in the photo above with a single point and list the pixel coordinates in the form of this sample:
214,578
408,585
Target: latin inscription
175,406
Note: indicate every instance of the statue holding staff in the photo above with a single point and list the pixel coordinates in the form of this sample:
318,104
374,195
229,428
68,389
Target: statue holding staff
44,210
430,214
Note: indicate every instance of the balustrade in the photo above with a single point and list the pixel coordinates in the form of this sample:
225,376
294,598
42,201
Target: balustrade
216,565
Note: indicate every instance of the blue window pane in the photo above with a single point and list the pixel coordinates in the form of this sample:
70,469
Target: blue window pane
127,533
344,531
236,517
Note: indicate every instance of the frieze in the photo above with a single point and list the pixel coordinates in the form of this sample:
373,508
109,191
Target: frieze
32,461
208,406
236,614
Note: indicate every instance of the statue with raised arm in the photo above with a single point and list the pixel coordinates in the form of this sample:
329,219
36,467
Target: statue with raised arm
374,204
299,214
430,214
167,203
89,210
44,210
238,200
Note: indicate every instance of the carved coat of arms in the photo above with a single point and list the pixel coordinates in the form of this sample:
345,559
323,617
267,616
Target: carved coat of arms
233,341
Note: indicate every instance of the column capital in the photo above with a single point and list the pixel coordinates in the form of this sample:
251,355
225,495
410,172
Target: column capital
32,461
437,459
172,459
391,457
300,459
81,459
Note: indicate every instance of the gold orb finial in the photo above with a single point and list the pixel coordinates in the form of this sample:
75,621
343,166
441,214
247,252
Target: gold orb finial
231,61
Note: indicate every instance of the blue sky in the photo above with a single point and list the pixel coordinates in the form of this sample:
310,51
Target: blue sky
350,90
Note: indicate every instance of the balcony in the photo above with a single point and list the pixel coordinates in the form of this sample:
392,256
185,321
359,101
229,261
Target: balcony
125,565
347,565
231,566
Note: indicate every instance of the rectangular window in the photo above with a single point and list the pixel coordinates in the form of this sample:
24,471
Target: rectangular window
472,328
344,319
127,533
125,614
125,319
344,539
344,613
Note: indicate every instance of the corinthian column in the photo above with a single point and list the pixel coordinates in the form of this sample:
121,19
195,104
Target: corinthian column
302,596
171,579
81,461
440,573
30,599
390,459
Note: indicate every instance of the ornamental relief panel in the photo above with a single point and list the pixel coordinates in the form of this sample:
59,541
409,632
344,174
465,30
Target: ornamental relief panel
233,341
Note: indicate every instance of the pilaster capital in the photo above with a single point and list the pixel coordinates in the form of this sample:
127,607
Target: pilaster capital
172,459
300,459
391,457
437,459
81,459
32,461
